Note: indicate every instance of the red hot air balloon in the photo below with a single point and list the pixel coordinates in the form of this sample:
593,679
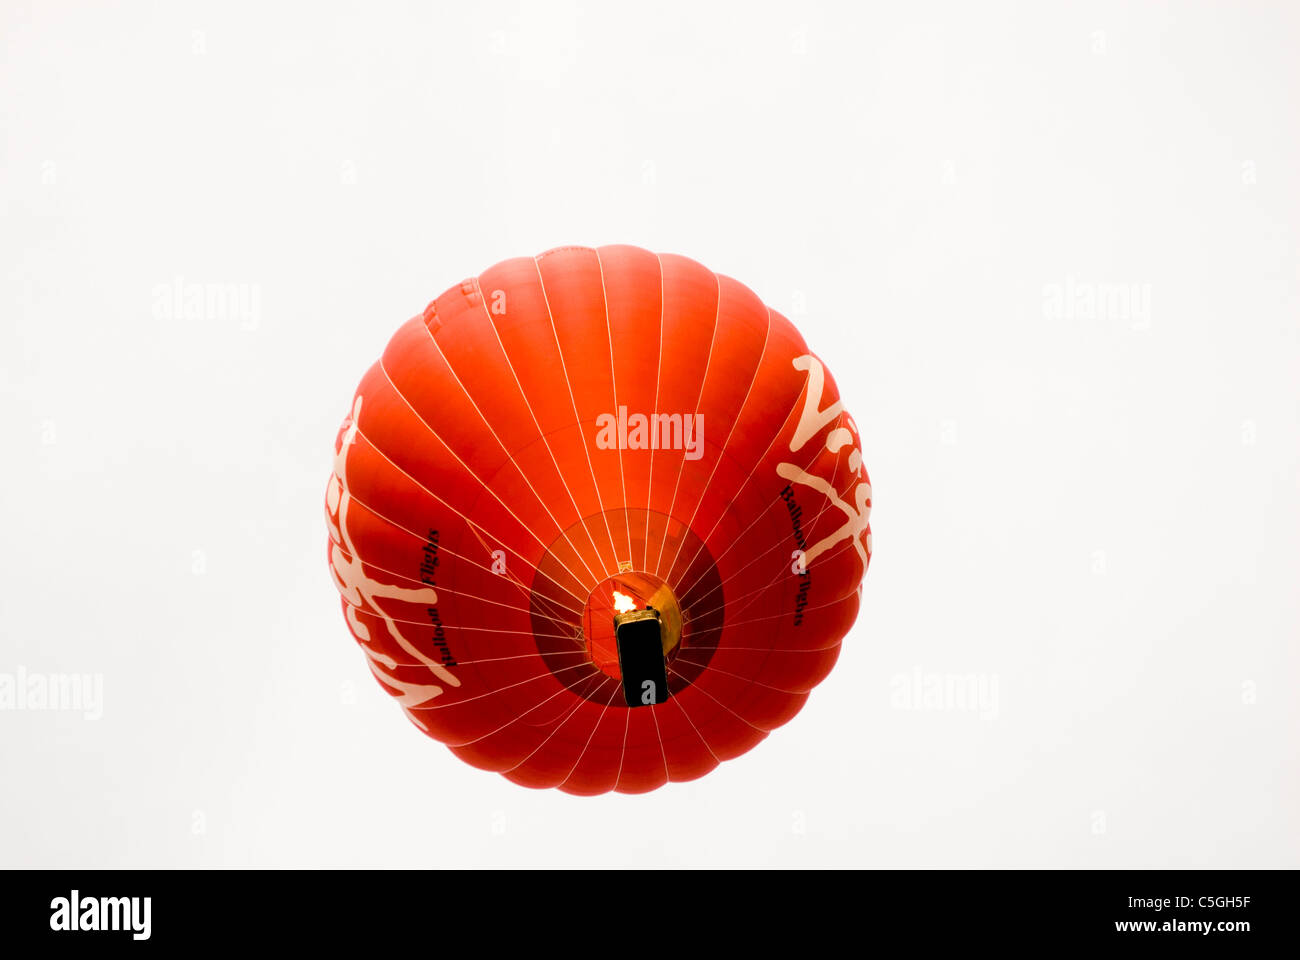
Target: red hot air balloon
599,519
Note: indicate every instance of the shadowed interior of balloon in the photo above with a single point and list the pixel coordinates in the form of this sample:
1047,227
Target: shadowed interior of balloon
667,568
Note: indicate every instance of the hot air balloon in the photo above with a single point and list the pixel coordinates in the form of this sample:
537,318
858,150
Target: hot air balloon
599,519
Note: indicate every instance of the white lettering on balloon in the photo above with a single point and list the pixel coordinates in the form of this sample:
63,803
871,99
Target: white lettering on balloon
361,591
857,509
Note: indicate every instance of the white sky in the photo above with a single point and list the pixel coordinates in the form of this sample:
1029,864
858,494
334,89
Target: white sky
1049,251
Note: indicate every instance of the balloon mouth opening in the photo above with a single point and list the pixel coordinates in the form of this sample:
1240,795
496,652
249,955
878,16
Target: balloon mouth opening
621,599
578,639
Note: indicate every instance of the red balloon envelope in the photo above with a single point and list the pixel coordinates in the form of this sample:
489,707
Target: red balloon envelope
599,519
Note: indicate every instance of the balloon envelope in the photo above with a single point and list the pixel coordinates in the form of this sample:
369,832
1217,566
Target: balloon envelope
570,437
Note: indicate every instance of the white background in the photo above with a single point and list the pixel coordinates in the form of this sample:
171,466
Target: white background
1089,507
